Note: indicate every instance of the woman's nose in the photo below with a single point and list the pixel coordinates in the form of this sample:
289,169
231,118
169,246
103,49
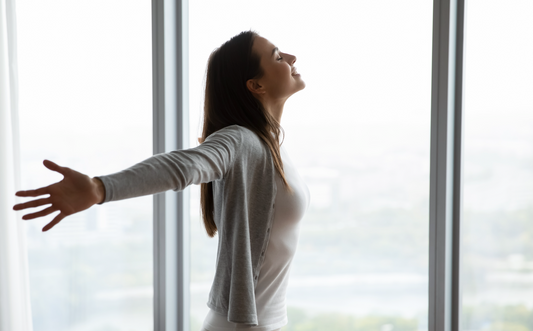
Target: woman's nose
293,59
290,58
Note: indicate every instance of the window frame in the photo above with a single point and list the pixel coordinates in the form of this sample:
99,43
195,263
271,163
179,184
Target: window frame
171,234
171,131
446,164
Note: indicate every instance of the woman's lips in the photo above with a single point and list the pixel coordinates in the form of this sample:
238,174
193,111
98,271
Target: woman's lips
294,72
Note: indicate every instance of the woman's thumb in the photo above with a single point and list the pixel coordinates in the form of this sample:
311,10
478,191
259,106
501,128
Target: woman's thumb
54,167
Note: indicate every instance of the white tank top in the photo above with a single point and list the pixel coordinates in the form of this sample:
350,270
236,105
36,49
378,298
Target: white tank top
274,275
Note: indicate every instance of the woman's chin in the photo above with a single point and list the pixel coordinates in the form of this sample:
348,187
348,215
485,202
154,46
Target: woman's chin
300,86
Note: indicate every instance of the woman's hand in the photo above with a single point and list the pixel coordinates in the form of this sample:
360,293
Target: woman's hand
76,192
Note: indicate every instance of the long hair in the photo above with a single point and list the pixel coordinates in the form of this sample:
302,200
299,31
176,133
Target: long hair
228,101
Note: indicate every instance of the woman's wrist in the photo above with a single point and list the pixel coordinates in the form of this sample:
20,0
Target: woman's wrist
99,190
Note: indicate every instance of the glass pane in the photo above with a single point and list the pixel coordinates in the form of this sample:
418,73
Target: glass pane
359,135
497,230
85,102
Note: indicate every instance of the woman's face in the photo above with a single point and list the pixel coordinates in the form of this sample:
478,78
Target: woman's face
280,79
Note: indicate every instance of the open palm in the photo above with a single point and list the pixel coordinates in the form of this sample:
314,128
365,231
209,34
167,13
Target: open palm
74,193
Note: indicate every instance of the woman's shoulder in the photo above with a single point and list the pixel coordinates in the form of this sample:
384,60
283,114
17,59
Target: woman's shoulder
236,129
242,140
238,134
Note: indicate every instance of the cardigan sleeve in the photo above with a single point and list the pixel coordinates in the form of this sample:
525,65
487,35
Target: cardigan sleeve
177,169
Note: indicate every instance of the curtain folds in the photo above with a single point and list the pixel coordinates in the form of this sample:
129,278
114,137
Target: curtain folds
15,308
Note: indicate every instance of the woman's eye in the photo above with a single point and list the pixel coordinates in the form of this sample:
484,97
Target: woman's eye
280,58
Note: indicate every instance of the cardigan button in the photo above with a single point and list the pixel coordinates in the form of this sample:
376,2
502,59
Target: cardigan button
262,253
273,205
255,277
268,230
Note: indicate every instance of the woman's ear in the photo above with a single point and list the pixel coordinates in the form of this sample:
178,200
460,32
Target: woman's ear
254,87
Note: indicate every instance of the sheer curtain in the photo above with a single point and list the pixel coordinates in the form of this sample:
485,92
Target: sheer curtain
15,308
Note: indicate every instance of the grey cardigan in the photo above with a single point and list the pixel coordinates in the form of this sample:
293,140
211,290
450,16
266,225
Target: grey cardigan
241,168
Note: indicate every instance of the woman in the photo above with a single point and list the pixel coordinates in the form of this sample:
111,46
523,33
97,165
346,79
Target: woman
250,192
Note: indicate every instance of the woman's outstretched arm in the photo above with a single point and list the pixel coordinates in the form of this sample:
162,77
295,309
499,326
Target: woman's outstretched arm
74,193
166,171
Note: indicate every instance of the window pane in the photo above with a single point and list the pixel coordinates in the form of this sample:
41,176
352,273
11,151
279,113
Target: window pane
359,135
85,102
497,230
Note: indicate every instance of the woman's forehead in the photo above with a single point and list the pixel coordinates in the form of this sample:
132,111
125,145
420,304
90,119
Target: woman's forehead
263,46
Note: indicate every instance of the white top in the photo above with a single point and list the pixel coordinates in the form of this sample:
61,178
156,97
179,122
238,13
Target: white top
274,275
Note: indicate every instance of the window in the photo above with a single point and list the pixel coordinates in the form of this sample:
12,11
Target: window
376,135
497,255
85,76
359,135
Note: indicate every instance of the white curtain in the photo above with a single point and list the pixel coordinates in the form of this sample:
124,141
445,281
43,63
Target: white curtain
15,308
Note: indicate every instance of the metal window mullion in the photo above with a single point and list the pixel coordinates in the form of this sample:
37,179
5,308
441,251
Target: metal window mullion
445,170
170,132
458,164
158,97
183,201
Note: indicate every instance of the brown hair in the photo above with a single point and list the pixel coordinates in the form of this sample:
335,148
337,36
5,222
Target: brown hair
228,101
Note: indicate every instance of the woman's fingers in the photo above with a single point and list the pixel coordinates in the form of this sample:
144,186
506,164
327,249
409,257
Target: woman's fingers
41,213
31,204
56,220
52,166
44,190
32,193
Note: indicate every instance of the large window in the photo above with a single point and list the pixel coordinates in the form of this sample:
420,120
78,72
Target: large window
359,136
376,248
86,103
497,252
